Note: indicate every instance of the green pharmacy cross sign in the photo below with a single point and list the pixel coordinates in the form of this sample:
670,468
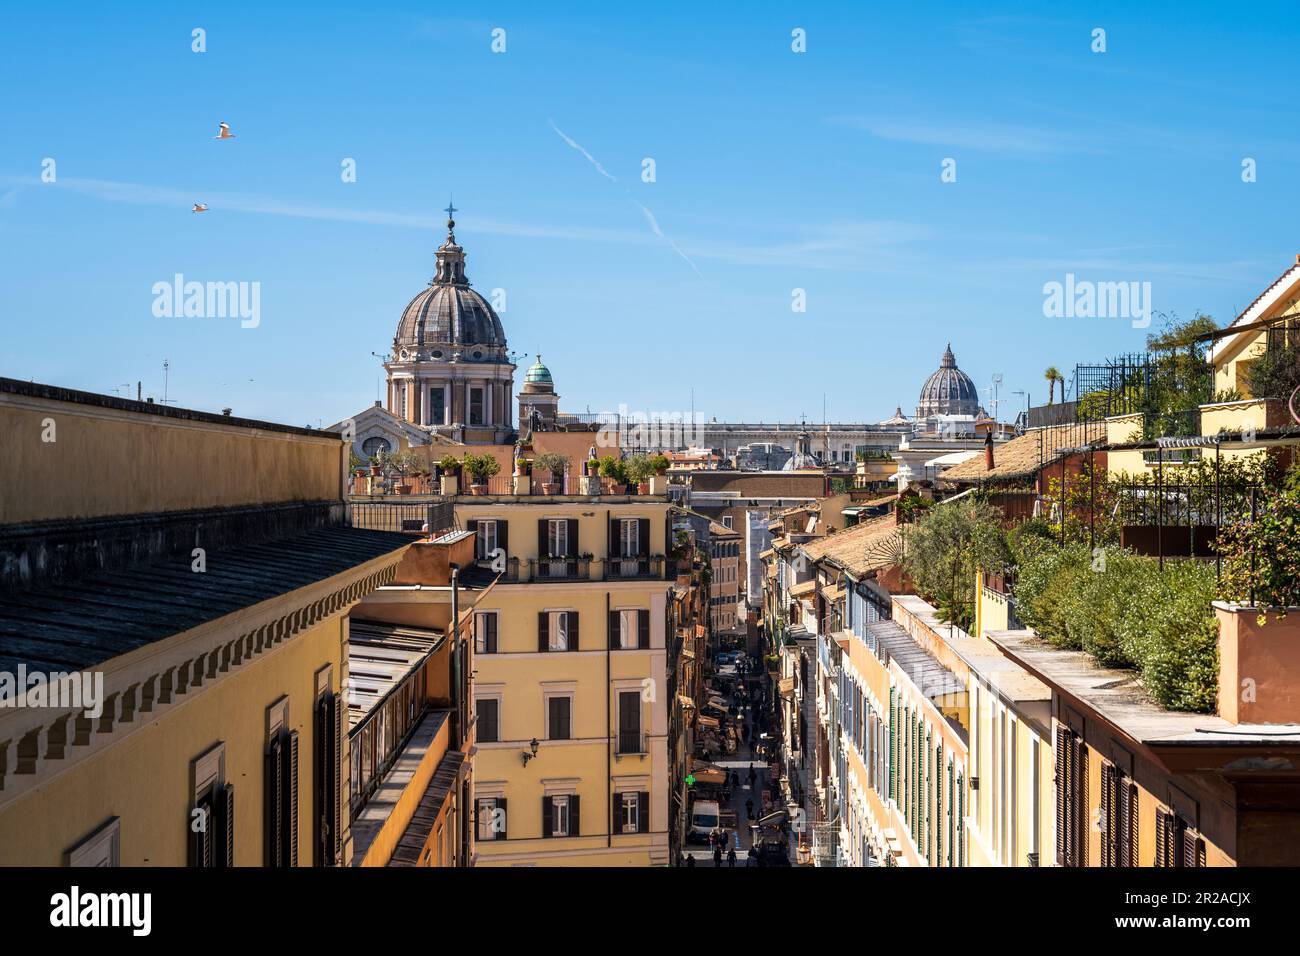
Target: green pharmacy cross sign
690,780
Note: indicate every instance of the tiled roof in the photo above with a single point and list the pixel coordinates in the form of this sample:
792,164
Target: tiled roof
864,548
1023,456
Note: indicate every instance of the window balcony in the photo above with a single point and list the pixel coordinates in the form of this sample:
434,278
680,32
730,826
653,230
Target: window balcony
558,569
631,742
642,567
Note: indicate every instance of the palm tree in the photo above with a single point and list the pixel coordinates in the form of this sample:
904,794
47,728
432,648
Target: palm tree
1053,375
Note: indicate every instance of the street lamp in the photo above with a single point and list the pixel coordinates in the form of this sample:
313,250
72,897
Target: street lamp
529,756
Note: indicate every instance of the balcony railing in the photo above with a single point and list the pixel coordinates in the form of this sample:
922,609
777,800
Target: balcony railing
631,742
642,566
558,569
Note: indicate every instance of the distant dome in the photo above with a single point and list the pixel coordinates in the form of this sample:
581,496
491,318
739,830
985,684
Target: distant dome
449,313
949,391
538,373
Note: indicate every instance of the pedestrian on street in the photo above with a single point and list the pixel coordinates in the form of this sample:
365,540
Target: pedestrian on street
717,856
731,856
749,808
690,860
751,858
735,779
753,775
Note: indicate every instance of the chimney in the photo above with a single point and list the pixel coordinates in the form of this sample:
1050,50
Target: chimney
988,451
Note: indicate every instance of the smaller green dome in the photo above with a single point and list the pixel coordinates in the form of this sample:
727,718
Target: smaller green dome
539,373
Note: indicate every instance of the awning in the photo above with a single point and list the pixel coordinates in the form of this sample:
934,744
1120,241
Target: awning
719,703
710,722
764,555
802,590
787,686
833,594
709,775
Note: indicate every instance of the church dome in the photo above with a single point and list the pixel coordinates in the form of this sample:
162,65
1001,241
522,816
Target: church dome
449,313
949,391
538,374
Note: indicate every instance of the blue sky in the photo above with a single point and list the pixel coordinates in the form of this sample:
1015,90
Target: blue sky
775,171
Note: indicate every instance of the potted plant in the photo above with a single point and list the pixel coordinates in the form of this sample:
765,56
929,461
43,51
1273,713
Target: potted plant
480,469
615,475
593,467
553,463
660,463
521,466
638,469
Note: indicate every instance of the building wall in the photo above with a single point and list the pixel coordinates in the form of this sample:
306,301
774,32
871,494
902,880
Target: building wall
107,458
521,677
144,779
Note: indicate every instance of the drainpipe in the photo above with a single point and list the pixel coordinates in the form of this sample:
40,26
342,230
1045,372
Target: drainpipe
457,671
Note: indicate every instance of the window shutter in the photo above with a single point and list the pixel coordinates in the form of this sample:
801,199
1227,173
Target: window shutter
1062,798
1162,838
228,818
1193,849
337,802
1081,812
575,820
503,535
1131,856
320,776
573,551
274,804
505,817
616,813
643,536
613,630
961,821
613,537
548,818
643,812
643,629
492,632
543,545
573,630
292,822
1107,815
893,746
543,630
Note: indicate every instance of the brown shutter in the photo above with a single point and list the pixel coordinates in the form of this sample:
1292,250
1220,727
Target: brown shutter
320,780
274,804
1081,776
543,630
505,818
643,812
613,630
1107,815
1193,849
542,551
491,628
292,821
575,824
613,537
1162,838
548,819
573,551
1131,854
503,536
228,818
573,630
616,814
643,534
339,741
643,629
1062,798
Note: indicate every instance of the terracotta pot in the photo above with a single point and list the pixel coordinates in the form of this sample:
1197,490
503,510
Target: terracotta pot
643,488
478,489
552,487
374,471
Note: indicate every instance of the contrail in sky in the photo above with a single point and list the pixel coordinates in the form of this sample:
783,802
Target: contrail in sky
590,158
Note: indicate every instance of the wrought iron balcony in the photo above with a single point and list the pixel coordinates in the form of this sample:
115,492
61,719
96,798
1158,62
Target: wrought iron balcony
558,569
641,566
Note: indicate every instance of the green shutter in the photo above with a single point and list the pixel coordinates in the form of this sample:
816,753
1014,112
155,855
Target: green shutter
961,810
893,747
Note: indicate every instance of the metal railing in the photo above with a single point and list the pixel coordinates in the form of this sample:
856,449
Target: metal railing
641,566
558,569
631,742
413,518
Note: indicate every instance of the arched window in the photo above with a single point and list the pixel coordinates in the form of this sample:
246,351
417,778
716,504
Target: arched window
372,446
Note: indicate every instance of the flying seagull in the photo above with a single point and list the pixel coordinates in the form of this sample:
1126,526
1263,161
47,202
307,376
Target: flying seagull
224,132
200,207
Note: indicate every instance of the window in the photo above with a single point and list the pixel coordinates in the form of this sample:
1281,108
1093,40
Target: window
486,540
557,537
726,521
559,718
280,779
491,818
101,848
629,723
629,537
437,406
557,631
476,406
560,815
631,813
372,446
1071,799
213,843
1119,810
485,632
1177,842
489,717
629,629
328,771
